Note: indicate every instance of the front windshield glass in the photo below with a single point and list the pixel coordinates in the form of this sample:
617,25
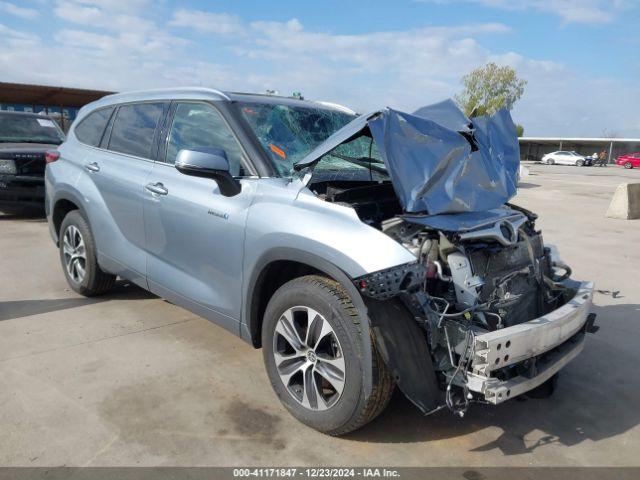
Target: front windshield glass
29,129
356,160
289,132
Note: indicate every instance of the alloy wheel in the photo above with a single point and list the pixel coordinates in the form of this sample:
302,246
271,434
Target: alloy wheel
309,358
75,253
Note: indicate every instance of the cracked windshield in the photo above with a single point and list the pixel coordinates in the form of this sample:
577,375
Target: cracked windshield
288,133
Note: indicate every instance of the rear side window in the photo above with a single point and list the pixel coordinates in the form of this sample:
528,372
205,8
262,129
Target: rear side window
90,129
133,129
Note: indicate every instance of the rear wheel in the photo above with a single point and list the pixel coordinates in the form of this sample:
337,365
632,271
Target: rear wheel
628,165
78,257
312,347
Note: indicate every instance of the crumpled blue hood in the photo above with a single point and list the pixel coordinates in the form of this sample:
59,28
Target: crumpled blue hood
439,161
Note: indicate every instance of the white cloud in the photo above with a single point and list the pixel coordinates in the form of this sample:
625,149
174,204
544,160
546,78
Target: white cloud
571,11
209,22
22,12
404,69
108,15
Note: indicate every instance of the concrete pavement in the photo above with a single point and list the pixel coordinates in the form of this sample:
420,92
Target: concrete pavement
129,379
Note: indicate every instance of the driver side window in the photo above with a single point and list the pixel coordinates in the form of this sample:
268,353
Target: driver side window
200,125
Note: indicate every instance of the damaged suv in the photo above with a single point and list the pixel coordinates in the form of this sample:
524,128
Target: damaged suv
361,252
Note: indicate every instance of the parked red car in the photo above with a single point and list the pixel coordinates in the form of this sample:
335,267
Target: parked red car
629,160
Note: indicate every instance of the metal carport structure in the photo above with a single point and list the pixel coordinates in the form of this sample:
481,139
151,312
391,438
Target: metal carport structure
533,148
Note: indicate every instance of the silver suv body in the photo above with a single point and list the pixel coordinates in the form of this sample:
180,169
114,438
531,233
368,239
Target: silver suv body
296,226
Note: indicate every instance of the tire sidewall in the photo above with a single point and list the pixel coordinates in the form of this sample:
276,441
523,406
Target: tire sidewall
302,292
76,219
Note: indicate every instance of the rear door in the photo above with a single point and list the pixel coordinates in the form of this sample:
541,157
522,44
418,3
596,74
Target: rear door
120,169
194,234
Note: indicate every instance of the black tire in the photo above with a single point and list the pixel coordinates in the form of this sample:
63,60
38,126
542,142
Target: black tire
580,163
550,161
353,408
94,281
628,165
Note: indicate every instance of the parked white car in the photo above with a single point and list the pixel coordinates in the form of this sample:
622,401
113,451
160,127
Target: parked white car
564,158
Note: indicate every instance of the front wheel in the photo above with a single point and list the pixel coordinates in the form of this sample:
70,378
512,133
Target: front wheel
312,345
580,163
550,161
628,165
78,257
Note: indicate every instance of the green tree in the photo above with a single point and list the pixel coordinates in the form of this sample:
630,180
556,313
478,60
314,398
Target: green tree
489,88
519,130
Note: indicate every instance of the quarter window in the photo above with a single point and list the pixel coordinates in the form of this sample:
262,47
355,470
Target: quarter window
133,129
200,125
90,129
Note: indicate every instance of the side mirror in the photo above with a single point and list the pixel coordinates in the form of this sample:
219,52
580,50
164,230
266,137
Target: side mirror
208,162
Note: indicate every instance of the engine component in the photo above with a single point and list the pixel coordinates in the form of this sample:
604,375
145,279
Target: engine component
466,284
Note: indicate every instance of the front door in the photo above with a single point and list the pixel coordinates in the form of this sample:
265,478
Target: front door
194,234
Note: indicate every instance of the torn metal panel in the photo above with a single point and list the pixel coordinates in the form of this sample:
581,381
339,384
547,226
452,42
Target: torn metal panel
461,222
439,162
447,114
438,170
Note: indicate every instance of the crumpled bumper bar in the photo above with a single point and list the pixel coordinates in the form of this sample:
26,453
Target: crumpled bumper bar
552,340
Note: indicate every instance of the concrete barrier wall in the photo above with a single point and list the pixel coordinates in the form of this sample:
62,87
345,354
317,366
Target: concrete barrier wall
625,203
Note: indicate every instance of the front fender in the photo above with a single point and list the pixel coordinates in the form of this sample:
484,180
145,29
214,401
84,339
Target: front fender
318,263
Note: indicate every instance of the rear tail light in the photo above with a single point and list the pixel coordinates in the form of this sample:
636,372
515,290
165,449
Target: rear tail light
51,156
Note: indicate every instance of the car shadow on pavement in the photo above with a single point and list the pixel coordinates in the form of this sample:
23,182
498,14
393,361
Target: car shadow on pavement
596,398
122,290
32,215
527,185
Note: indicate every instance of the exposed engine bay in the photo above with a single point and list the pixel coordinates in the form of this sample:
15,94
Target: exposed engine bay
466,289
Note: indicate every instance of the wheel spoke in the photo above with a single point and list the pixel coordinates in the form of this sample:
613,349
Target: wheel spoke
318,329
66,246
74,269
80,249
288,331
73,235
289,367
332,370
309,390
317,385
80,268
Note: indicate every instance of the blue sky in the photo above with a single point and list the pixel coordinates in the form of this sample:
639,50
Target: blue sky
581,58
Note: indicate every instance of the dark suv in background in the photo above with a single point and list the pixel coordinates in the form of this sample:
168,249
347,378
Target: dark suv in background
25,139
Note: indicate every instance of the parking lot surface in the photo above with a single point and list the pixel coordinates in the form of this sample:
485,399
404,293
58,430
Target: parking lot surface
129,379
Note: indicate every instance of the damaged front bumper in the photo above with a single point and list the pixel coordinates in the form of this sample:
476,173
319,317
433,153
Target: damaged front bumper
513,360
